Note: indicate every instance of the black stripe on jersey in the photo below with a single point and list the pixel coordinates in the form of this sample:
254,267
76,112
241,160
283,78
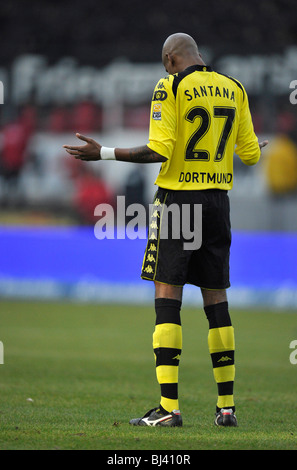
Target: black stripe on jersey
233,80
193,68
167,356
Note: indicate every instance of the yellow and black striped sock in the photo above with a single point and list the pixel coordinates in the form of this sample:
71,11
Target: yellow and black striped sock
167,344
221,346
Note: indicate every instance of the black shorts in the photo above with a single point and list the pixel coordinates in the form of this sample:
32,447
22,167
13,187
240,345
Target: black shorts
167,261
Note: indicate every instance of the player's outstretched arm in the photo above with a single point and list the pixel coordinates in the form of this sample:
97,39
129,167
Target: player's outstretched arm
141,154
93,151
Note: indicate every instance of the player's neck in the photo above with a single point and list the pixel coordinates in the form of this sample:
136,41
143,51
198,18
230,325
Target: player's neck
190,62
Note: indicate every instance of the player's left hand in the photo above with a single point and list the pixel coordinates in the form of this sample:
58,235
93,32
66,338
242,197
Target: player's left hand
88,152
263,144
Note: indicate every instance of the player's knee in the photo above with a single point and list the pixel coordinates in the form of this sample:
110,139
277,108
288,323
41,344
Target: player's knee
212,297
168,291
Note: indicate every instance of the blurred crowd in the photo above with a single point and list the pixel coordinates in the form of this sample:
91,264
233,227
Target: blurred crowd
94,34
19,156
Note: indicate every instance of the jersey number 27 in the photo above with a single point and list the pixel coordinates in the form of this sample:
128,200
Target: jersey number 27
192,151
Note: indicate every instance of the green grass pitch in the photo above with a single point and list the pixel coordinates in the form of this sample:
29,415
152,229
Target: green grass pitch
87,369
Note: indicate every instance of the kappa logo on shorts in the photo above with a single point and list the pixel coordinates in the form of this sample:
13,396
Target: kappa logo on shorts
151,258
157,202
157,108
152,247
153,236
148,269
156,214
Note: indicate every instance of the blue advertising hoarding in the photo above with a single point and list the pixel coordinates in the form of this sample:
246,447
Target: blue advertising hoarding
71,263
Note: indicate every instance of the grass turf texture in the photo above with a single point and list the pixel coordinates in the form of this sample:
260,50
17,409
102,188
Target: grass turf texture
89,369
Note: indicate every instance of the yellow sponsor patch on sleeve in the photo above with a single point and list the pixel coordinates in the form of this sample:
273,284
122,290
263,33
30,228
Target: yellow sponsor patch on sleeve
157,108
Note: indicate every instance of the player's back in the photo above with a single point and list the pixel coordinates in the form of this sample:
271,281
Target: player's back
203,116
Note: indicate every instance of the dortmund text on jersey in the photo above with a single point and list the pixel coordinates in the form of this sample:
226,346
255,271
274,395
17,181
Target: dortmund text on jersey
198,117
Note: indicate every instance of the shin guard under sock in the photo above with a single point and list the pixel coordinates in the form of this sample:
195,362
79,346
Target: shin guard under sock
167,344
221,347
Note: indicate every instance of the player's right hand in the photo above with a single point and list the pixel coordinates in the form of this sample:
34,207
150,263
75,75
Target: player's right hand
88,152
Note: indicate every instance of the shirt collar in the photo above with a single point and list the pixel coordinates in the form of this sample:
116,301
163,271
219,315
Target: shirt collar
198,68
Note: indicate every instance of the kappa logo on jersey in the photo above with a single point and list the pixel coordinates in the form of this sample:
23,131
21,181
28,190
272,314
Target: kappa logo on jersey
157,108
160,95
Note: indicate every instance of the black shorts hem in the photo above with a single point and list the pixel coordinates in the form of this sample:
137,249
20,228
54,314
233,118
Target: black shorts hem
171,283
168,283
211,288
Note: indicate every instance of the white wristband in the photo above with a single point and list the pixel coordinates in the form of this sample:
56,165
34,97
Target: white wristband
107,153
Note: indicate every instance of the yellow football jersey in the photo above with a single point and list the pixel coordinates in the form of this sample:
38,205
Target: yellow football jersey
198,118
